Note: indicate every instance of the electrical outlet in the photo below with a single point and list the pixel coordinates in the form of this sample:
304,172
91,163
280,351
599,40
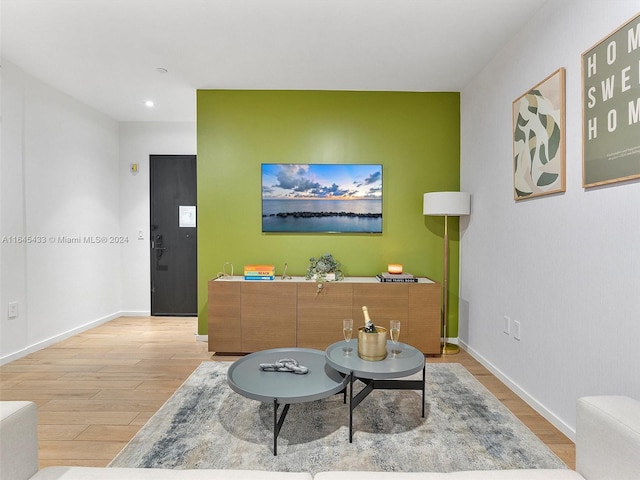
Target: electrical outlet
13,310
507,325
516,329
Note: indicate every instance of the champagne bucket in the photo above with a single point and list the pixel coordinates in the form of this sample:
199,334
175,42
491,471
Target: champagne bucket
372,346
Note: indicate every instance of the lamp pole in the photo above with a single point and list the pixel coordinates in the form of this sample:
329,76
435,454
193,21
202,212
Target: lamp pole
447,349
446,204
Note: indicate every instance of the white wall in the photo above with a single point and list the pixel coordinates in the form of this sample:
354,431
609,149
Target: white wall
59,179
566,266
138,140
12,256
65,173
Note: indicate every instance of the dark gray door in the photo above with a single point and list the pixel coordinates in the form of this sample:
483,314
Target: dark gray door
173,235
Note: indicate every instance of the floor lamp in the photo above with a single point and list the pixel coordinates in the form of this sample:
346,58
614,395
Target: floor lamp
447,204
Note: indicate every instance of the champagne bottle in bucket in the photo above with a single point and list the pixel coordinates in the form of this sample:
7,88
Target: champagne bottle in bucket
372,340
369,327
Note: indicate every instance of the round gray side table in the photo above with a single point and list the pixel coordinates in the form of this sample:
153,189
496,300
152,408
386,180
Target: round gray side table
377,374
284,388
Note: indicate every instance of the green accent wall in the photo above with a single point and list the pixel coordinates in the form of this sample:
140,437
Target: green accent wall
415,136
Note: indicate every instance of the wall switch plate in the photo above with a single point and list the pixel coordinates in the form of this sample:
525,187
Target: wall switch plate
140,234
516,330
13,309
507,325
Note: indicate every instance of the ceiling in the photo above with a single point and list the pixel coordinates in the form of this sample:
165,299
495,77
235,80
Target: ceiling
107,53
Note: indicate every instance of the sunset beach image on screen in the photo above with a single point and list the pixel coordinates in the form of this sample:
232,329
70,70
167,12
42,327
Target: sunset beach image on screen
329,198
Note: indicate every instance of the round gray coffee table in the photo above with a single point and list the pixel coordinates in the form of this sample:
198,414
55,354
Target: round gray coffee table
284,388
377,374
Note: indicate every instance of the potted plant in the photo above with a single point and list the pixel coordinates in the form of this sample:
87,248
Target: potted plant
324,269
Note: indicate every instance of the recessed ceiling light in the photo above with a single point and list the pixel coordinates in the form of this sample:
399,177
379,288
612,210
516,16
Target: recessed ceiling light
149,103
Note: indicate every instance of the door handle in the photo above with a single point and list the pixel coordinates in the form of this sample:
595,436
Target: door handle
154,247
157,245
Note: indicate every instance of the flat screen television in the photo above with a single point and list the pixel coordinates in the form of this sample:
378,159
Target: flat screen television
322,198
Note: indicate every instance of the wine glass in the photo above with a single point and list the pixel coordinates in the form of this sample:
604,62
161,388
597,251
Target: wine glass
395,334
347,331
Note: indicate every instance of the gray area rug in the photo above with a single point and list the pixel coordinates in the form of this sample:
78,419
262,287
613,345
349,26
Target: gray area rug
207,425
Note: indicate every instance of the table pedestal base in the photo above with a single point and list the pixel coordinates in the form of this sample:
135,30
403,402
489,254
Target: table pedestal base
277,422
371,385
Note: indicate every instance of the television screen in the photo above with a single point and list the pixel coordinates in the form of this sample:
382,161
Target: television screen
331,198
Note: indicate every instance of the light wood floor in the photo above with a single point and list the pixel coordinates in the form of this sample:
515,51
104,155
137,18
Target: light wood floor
96,389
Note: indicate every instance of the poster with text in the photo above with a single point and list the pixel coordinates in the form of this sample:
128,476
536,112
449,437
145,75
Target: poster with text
611,108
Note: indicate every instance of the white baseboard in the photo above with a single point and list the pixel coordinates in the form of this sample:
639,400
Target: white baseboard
202,338
132,313
57,338
532,402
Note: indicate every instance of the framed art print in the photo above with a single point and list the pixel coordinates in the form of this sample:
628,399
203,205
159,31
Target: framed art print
611,108
539,139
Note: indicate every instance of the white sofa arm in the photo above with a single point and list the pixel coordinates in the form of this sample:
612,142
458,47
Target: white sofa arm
18,440
608,438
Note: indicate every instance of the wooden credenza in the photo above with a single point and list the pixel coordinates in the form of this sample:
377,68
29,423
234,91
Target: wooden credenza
247,315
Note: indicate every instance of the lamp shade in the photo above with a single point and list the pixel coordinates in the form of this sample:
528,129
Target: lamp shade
447,203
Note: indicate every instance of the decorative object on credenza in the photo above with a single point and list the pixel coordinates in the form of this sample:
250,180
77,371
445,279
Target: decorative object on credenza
446,204
324,269
227,271
394,268
321,198
372,339
611,108
538,139
404,277
284,275
259,272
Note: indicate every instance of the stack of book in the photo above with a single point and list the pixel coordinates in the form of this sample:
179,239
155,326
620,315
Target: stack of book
259,272
396,277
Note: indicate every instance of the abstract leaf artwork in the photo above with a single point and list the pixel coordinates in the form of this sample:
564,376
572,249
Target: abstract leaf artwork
538,139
